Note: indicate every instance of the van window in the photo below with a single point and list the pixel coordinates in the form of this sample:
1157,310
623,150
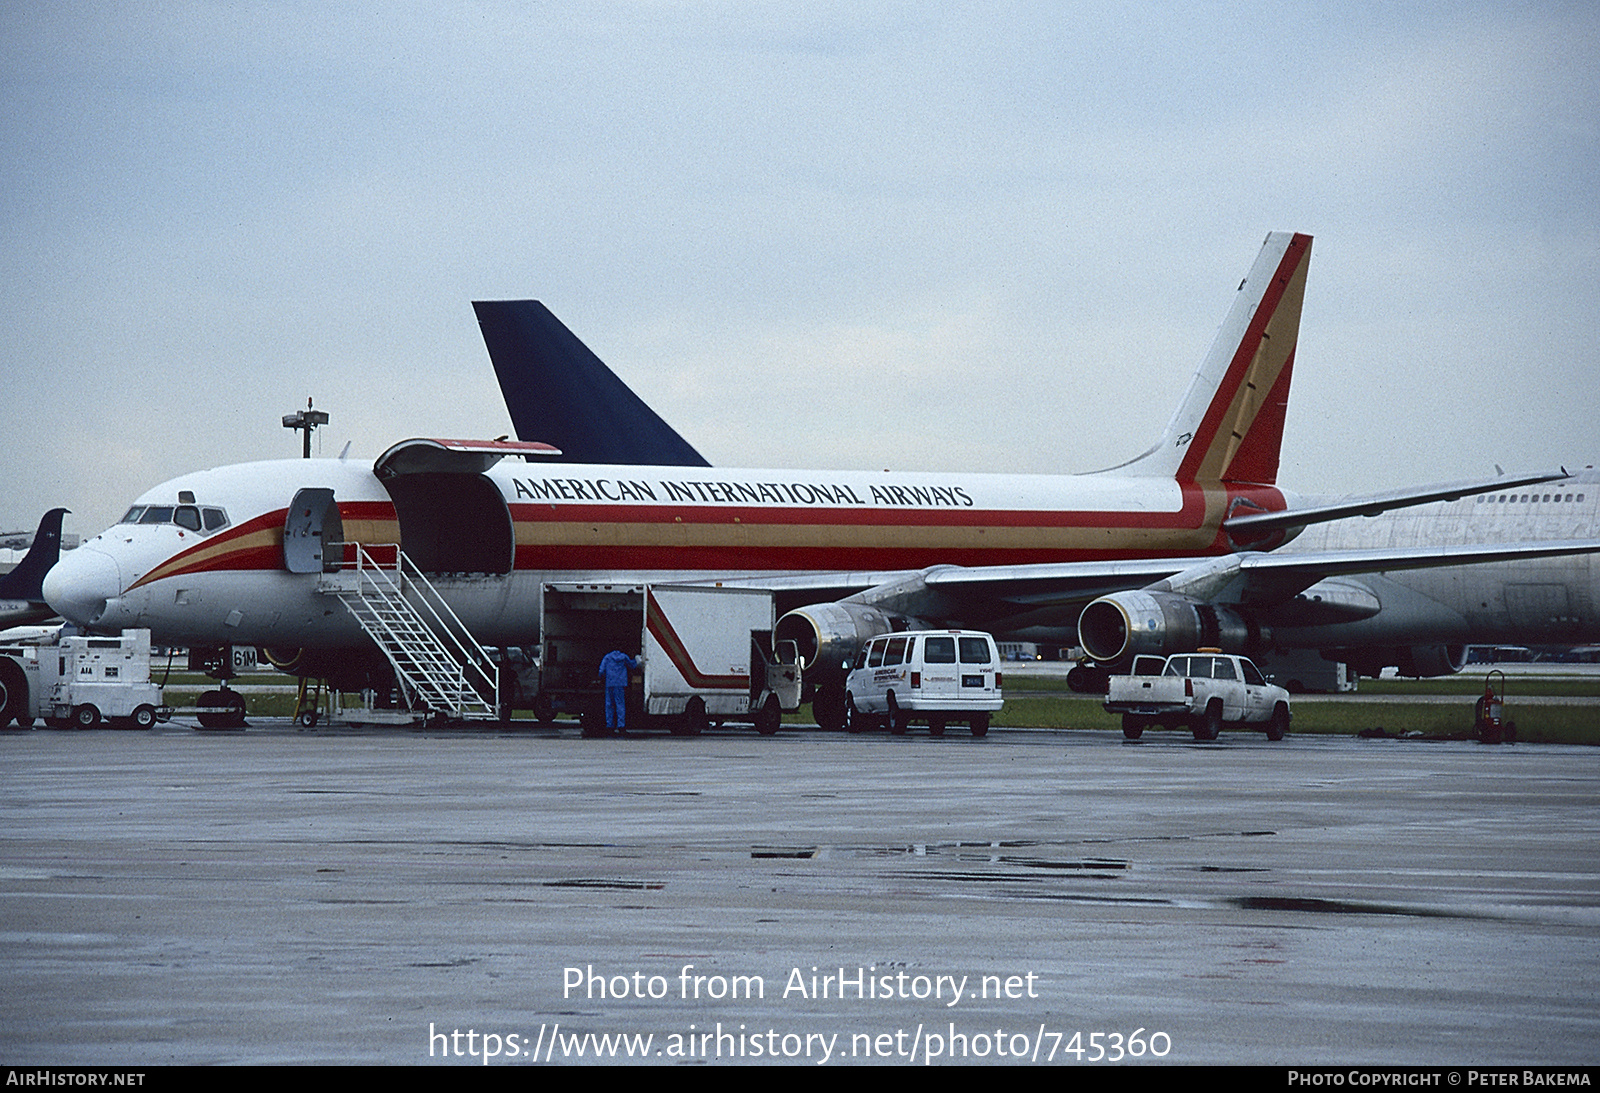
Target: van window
897,651
939,650
974,651
875,655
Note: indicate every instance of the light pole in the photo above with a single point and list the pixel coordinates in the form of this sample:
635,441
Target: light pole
306,421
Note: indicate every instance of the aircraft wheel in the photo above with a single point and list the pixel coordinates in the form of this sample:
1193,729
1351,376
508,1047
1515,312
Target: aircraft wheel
979,724
510,702
827,706
144,717
1132,726
899,721
1209,724
935,726
85,716
544,709
1278,725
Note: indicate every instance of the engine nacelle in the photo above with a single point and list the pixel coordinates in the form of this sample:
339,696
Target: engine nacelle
1123,625
828,636
1409,660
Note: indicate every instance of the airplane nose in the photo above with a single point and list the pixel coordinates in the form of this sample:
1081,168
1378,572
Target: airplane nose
78,586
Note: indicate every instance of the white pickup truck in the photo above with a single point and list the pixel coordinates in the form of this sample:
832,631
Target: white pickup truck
1201,690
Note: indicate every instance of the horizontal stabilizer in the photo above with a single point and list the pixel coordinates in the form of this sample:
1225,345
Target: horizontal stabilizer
559,392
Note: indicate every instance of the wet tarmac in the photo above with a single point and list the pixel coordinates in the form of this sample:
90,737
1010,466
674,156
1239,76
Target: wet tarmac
399,896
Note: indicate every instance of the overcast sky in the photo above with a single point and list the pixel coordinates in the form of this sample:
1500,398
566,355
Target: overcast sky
989,237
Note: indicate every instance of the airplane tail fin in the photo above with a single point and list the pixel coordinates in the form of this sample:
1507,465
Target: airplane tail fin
559,392
26,580
1229,427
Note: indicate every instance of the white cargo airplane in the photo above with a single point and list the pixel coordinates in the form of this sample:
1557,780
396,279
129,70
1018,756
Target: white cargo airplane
237,555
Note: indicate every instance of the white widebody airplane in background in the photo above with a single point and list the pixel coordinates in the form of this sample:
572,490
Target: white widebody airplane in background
1421,621
1170,551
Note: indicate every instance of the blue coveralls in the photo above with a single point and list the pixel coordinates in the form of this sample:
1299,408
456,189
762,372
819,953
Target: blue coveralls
614,671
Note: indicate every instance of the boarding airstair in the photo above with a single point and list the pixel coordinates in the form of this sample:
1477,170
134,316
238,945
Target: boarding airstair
437,661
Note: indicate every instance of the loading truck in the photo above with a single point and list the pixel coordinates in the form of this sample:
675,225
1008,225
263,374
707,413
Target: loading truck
707,655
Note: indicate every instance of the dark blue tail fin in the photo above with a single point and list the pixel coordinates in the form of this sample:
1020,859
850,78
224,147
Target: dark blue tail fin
561,393
26,580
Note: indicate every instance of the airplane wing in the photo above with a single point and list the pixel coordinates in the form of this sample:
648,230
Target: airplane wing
1246,527
1246,577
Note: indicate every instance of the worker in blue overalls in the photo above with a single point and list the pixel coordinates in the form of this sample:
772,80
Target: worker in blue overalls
614,669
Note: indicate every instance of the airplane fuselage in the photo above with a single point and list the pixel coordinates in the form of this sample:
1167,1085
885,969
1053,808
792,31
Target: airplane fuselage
1545,601
490,541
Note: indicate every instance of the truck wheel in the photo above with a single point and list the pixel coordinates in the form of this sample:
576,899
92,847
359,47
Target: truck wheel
770,717
1209,724
1132,726
693,720
13,693
592,725
853,721
85,716
898,722
1278,724
979,724
144,717
307,719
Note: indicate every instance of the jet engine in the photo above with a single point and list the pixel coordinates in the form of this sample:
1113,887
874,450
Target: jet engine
1123,625
828,636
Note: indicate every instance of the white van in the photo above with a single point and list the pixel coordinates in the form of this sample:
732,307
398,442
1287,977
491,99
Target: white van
937,676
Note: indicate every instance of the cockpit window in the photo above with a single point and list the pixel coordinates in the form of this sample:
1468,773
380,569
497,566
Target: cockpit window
191,517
